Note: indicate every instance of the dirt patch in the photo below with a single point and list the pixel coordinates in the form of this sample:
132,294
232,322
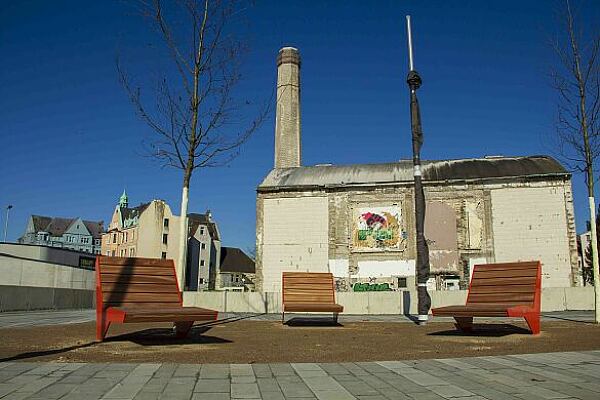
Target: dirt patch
245,341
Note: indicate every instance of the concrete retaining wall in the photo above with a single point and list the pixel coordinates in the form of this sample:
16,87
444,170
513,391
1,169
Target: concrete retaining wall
553,299
29,284
26,298
18,271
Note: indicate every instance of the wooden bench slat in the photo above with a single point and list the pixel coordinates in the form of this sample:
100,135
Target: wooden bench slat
139,279
137,287
123,261
519,280
132,297
501,274
502,289
136,270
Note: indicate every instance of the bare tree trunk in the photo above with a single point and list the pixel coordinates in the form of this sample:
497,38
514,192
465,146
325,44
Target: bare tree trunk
594,239
181,261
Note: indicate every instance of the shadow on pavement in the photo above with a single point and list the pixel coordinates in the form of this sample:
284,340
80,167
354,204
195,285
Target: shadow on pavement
308,321
486,330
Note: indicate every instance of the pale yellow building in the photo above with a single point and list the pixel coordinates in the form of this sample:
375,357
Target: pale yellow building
148,230
151,230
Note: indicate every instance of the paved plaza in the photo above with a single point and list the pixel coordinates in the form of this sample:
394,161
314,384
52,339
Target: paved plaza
568,375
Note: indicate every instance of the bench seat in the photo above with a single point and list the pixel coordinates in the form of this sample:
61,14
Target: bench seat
500,290
165,314
484,310
139,289
309,292
310,307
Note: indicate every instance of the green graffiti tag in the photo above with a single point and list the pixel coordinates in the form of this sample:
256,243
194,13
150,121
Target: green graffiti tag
378,234
371,287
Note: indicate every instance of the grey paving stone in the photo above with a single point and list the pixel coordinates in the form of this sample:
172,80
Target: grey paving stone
211,396
271,395
212,386
54,391
292,389
449,391
262,370
267,385
359,388
244,391
147,395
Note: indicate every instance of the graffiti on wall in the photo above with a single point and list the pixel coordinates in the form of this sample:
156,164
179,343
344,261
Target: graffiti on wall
377,228
371,287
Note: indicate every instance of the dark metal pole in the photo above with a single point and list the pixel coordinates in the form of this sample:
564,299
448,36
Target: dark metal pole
422,262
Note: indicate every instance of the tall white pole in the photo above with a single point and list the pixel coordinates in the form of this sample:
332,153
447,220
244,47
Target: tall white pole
410,46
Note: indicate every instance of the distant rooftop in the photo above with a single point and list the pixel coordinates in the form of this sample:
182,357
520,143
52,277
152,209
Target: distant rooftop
496,167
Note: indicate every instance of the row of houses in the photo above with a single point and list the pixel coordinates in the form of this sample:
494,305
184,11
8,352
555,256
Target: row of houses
151,230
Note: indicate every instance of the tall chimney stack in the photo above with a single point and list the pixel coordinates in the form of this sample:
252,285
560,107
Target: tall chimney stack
287,119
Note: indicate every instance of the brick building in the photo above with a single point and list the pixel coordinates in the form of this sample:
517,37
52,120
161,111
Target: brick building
357,221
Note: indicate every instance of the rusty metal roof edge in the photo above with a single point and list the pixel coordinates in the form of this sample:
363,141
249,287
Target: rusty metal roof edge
300,187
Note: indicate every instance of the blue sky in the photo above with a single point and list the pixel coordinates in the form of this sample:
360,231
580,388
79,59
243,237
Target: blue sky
71,141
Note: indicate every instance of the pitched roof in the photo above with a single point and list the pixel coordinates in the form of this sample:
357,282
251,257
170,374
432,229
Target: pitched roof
402,172
235,260
58,226
132,212
195,220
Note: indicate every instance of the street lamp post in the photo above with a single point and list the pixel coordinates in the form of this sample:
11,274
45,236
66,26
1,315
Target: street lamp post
8,207
422,262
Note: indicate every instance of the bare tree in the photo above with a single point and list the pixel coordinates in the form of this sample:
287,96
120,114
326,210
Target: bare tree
577,81
196,120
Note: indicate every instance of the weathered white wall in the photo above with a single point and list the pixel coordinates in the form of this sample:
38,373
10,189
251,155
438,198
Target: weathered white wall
295,238
530,223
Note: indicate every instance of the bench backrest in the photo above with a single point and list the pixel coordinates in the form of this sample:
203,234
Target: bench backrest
308,288
136,282
513,284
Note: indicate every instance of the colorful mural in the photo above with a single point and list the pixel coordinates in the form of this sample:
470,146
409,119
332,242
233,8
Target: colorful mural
377,228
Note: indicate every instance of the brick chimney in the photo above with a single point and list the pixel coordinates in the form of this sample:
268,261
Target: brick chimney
287,120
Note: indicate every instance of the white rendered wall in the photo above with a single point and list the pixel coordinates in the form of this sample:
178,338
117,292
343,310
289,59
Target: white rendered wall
295,238
531,224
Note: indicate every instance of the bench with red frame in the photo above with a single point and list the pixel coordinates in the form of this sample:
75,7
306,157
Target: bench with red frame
500,290
309,292
142,290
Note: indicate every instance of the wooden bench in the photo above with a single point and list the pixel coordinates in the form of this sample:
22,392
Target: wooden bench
309,292
142,290
500,290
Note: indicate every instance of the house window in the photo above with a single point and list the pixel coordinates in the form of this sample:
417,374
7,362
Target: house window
125,237
202,230
201,281
97,242
131,252
165,237
203,246
114,252
402,283
166,222
114,238
123,253
163,255
202,263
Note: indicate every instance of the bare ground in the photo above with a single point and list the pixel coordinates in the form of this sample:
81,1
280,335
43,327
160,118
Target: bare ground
244,341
